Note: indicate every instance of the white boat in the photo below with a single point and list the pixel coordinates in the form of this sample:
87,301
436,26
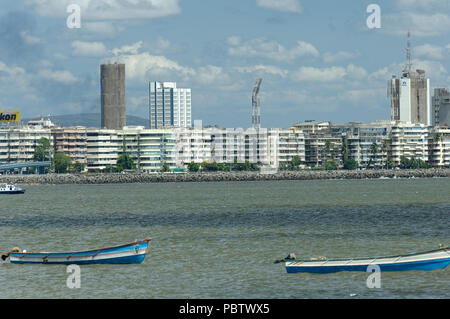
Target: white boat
428,260
130,253
10,189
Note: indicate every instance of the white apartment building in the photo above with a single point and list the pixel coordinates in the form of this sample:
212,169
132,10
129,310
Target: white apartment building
409,140
18,143
150,149
193,145
439,147
169,105
264,147
369,144
290,143
103,147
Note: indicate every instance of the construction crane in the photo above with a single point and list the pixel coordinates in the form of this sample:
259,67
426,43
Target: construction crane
256,112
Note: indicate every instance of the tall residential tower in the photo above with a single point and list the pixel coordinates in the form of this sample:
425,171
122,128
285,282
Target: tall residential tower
112,78
169,105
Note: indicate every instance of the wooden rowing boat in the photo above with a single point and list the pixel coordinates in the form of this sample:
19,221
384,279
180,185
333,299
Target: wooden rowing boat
131,253
428,260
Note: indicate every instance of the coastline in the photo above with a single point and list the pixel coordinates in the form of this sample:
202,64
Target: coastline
114,178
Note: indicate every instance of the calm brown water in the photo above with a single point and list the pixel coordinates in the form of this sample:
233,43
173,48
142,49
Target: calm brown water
219,240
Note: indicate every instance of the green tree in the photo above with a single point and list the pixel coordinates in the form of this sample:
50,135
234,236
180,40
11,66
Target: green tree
61,162
124,162
209,167
389,162
193,167
165,168
412,163
344,149
43,150
327,152
78,167
295,162
385,148
331,166
350,164
373,154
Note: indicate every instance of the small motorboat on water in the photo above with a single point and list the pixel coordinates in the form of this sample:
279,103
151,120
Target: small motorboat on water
131,253
428,260
10,189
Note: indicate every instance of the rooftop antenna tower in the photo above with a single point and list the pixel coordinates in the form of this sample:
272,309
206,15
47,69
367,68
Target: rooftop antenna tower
408,55
256,111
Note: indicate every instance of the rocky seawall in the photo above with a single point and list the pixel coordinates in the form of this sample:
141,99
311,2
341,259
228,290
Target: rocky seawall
218,176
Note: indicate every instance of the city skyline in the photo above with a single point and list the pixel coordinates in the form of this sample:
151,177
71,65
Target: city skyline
318,62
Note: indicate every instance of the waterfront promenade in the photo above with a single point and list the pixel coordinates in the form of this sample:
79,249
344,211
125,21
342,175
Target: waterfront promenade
219,176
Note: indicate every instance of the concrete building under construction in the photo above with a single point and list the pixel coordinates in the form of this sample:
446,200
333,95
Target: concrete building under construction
410,95
441,107
113,109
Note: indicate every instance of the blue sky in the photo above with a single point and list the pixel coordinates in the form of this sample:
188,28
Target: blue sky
318,59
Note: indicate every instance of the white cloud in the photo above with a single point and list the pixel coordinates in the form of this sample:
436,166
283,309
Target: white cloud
102,10
335,73
211,74
234,40
268,69
434,70
162,45
60,76
329,57
135,104
15,81
29,39
140,66
428,51
281,5
424,18
270,49
11,71
366,95
93,49
356,72
420,24
128,49
96,29
433,5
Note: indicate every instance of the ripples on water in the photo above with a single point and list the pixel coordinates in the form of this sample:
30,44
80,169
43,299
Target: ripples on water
219,240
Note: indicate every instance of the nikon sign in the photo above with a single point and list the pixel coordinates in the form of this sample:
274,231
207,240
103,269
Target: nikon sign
9,116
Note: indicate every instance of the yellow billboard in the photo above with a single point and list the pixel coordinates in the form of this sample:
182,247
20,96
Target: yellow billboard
9,116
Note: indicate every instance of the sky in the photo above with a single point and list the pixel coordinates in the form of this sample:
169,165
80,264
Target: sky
319,60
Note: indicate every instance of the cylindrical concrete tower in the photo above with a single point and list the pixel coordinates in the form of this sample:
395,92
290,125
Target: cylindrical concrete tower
112,78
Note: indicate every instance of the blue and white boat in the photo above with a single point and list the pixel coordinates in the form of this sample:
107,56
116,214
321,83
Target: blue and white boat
428,260
10,189
131,253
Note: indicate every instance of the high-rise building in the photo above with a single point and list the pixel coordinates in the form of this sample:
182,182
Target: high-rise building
441,107
169,105
410,95
112,78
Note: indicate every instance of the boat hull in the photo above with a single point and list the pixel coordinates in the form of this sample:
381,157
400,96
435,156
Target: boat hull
439,259
133,253
12,192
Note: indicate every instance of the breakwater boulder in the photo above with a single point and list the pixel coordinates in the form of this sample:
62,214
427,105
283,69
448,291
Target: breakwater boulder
218,176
